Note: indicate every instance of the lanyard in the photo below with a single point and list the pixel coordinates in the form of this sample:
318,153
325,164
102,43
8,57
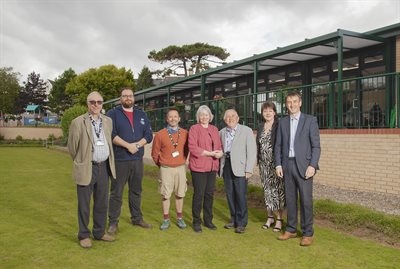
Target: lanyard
97,131
175,144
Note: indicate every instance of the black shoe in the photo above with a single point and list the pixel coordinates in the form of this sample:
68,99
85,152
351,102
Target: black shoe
266,225
143,224
278,229
211,226
197,228
240,230
229,225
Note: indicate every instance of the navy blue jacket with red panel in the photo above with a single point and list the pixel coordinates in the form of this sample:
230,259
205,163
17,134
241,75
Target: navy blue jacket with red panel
122,127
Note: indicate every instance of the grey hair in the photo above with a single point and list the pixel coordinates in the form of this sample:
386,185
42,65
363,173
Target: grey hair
204,109
91,94
228,110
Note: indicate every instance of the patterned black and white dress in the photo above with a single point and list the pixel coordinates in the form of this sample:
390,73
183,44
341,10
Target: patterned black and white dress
274,187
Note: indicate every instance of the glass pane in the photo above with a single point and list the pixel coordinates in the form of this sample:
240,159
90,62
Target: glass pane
319,104
348,64
373,102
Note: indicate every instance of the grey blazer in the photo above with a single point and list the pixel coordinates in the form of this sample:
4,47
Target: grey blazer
243,151
306,143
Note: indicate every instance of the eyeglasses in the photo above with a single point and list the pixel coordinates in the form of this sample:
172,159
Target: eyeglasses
93,102
127,96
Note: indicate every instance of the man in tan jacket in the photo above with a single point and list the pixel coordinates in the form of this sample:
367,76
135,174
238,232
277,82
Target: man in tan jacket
90,146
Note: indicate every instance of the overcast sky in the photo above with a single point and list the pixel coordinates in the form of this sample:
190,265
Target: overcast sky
50,36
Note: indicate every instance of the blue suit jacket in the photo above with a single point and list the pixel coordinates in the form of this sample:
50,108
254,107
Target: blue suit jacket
306,143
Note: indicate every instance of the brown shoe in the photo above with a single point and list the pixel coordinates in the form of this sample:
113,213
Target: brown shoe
107,238
306,241
85,243
113,229
143,224
287,235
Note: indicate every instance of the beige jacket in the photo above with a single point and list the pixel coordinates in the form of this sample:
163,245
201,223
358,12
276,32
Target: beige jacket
80,141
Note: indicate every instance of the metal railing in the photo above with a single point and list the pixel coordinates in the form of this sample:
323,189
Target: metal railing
364,102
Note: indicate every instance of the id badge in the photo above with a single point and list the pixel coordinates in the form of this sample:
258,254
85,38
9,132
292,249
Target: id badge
99,143
175,154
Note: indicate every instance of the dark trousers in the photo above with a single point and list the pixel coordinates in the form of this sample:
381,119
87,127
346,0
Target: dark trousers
203,196
236,195
99,187
131,172
295,185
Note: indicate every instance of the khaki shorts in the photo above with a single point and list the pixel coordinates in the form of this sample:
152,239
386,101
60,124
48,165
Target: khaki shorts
173,179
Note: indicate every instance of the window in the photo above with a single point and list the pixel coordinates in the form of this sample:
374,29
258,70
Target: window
319,69
348,64
373,59
277,77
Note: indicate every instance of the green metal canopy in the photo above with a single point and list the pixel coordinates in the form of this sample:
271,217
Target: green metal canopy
32,108
334,43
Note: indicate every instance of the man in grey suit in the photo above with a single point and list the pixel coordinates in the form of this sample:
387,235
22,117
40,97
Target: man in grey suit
237,163
297,152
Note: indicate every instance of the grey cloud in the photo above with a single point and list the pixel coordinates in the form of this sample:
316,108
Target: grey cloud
51,36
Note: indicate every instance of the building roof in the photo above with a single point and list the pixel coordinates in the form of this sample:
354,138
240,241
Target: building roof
306,50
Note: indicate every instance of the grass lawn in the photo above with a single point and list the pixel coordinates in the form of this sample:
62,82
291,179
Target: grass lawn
38,227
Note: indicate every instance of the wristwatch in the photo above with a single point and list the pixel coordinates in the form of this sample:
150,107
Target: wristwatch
137,146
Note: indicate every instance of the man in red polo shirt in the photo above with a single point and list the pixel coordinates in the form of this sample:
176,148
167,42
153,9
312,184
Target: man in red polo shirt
169,152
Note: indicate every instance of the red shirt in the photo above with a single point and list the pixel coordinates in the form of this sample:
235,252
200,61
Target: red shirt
201,139
129,114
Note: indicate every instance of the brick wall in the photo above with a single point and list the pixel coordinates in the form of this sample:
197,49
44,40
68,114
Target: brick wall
366,160
29,132
361,159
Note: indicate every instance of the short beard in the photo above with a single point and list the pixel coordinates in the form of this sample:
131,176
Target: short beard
125,105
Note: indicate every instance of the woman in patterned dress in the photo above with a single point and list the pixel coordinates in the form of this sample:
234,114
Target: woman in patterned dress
274,188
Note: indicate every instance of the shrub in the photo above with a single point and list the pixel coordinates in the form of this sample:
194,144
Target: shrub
69,115
18,138
51,137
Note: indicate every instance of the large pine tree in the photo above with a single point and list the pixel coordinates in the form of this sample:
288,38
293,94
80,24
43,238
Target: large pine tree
193,57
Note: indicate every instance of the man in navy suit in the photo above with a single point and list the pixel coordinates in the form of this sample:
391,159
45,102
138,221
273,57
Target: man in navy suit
297,152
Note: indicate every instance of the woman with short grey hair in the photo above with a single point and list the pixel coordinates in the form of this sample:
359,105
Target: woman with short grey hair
205,149
204,109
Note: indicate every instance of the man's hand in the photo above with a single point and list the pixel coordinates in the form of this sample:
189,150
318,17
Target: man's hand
248,175
132,148
310,172
279,171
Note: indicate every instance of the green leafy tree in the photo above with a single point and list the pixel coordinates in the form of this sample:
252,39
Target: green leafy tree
69,115
107,80
33,92
59,100
145,79
9,89
196,57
